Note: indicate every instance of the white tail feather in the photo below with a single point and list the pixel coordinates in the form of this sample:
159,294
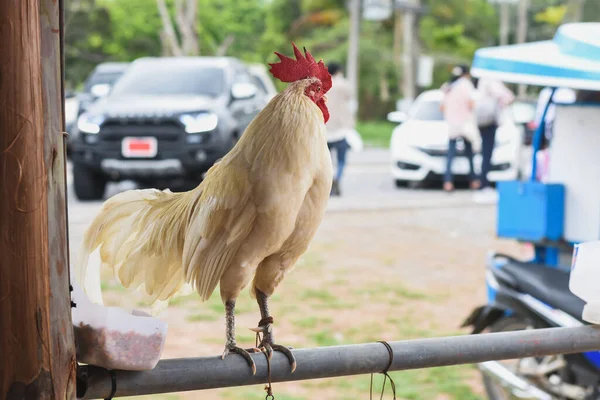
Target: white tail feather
139,235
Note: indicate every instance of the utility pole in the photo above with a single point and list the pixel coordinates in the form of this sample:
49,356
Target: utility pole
504,22
575,10
397,46
416,44
411,11
408,86
522,27
37,349
353,47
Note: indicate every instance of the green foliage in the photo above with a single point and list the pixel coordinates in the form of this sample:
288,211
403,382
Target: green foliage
552,15
243,20
87,26
454,29
450,31
136,30
376,133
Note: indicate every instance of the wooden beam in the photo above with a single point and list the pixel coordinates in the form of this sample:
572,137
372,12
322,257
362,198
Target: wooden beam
37,352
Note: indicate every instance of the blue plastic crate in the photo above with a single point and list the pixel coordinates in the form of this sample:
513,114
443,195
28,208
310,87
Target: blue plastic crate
531,211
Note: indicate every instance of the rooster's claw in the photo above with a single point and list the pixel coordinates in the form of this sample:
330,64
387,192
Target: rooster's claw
286,351
241,352
267,345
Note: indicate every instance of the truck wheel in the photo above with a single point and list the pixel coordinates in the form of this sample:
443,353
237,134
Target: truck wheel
88,184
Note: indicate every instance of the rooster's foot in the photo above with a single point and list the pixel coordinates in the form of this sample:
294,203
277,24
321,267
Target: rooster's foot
267,345
269,348
232,348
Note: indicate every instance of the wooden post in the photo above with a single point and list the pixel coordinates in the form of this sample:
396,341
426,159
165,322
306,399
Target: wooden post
37,352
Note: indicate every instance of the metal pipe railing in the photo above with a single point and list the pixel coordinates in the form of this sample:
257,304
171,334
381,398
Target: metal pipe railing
179,375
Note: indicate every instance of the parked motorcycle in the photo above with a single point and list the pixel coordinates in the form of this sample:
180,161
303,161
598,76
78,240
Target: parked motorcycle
523,295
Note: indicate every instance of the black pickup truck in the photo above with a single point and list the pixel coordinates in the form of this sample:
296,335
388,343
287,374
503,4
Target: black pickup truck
165,119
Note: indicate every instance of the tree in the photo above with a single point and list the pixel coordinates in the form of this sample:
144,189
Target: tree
452,31
180,34
87,29
233,27
136,32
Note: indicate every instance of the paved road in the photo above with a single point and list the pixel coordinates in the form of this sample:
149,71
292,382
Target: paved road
366,186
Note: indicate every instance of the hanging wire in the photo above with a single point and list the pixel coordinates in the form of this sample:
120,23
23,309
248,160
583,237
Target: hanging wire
269,386
386,376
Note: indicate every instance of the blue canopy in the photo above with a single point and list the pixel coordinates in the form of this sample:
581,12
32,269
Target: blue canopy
570,59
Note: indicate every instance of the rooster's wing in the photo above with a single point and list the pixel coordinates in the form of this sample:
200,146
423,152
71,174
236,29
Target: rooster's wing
222,218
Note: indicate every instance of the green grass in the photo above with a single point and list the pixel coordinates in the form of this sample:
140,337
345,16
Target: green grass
323,299
383,292
324,338
312,322
331,311
322,295
258,393
311,260
159,397
410,385
201,318
375,133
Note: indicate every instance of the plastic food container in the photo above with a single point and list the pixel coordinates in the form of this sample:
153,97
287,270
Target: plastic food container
113,338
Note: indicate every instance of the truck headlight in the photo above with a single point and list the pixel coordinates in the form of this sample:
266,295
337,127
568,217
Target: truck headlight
199,122
90,124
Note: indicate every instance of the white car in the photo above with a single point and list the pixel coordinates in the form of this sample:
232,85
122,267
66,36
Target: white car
420,143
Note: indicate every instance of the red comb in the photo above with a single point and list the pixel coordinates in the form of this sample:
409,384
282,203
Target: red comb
290,70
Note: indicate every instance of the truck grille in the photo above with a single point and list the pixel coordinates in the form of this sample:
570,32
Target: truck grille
170,134
162,130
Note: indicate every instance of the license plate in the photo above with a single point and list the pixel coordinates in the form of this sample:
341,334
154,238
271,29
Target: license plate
139,147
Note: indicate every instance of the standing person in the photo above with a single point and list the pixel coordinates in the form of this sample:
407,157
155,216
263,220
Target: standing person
459,112
492,100
341,120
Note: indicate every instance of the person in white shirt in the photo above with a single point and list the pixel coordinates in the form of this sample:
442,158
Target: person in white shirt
341,120
492,99
459,112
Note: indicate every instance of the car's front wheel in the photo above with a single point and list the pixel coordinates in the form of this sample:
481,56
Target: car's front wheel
88,184
401,183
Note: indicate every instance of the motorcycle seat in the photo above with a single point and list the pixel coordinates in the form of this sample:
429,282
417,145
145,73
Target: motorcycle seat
546,284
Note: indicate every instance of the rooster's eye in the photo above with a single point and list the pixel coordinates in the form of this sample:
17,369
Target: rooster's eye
318,88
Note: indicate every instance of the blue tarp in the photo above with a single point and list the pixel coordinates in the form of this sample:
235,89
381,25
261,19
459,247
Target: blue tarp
570,59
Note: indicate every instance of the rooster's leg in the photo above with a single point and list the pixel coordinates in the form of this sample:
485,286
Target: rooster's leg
231,345
265,327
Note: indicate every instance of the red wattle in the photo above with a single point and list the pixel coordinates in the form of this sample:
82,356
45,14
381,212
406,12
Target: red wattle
324,110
